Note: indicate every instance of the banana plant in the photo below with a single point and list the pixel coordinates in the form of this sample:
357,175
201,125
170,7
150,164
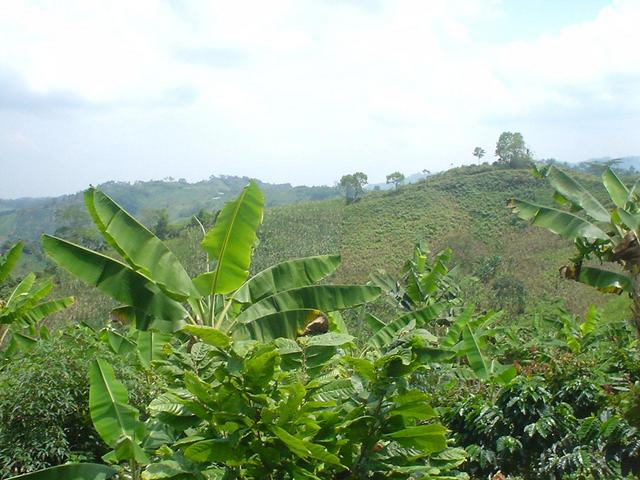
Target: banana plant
156,293
21,315
605,233
424,280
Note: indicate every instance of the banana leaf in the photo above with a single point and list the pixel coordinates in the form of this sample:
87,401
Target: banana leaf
71,471
287,324
8,261
231,240
385,335
604,280
617,190
115,279
285,276
151,345
138,246
631,220
326,298
577,194
21,292
473,353
559,222
114,419
34,314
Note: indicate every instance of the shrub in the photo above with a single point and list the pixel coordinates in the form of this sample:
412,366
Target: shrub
44,414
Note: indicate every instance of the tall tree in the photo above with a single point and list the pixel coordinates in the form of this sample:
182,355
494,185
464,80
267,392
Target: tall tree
512,151
396,178
353,185
478,152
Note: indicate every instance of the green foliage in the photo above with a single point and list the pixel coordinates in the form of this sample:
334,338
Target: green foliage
23,313
512,151
152,284
478,152
44,401
396,178
290,409
353,185
85,471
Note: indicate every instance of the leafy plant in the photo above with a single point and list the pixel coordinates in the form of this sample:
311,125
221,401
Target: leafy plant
23,312
158,294
44,401
606,235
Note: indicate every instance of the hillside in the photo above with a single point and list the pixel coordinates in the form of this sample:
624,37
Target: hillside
516,266
28,218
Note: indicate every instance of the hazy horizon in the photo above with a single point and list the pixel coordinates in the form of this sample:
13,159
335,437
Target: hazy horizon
302,92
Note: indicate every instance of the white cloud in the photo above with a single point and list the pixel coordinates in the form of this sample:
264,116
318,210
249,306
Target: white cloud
315,87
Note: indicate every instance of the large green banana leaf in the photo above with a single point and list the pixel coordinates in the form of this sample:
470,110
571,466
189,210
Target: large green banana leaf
326,298
473,353
559,222
34,314
455,329
631,220
287,275
115,279
151,346
617,190
385,335
231,240
288,324
115,420
138,246
9,260
21,292
72,471
575,193
605,280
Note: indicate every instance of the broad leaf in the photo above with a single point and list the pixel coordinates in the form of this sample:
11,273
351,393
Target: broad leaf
209,335
389,332
232,238
605,280
151,345
71,471
562,223
287,275
111,413
473,353
288,324
577,194
115,279
326,298
427,438
8,261
42,310
617,190
21,291
138,246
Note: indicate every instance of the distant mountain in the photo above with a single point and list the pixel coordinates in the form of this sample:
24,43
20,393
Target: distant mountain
28,218
625,163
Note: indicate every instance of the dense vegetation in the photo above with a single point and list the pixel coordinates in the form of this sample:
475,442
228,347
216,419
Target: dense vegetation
401,357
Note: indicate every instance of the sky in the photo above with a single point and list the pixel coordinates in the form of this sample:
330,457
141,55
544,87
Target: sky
304,91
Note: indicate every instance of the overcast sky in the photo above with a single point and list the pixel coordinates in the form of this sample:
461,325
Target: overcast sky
303,91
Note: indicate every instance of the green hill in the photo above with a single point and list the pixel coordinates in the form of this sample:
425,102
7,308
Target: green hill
28,218
464,209
506,263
